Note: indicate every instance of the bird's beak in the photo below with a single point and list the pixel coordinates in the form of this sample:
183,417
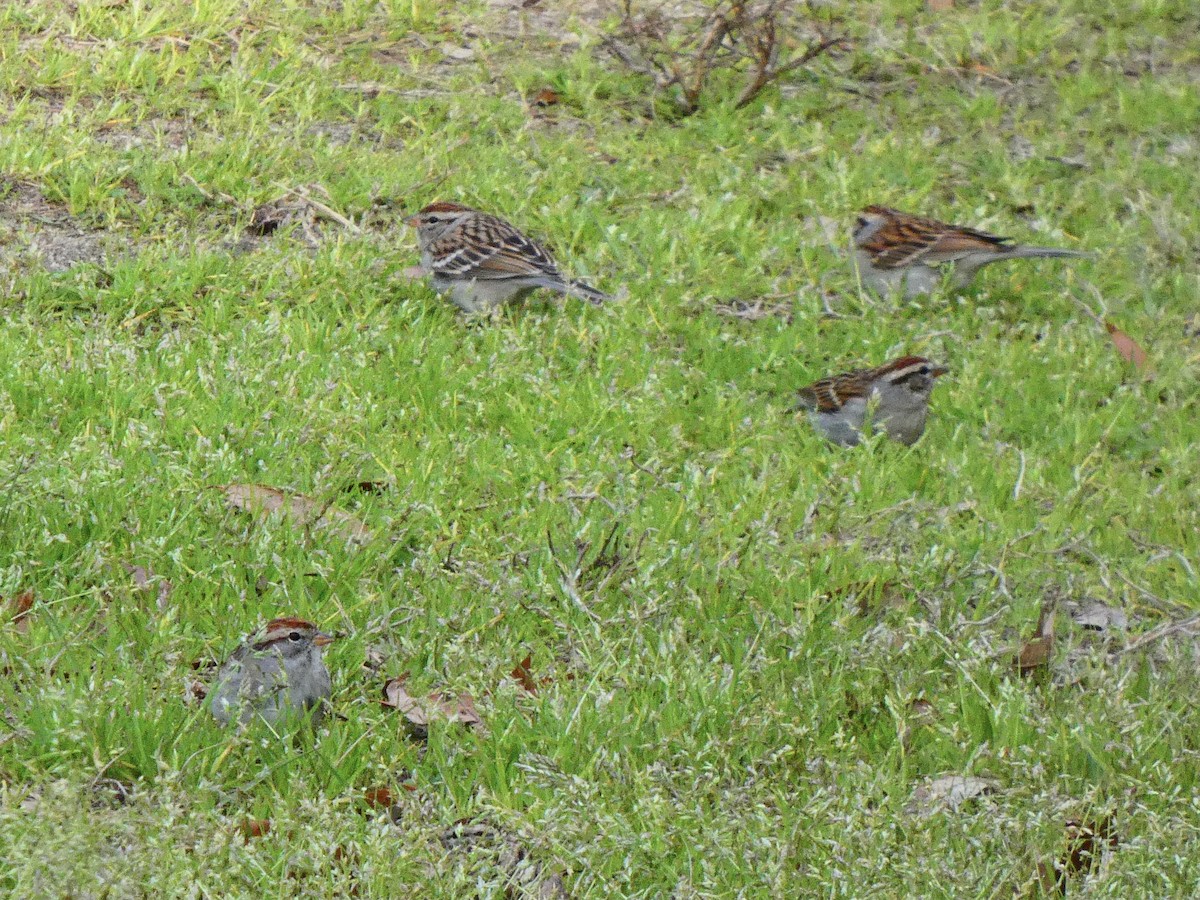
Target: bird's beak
939,371
321,639
412,220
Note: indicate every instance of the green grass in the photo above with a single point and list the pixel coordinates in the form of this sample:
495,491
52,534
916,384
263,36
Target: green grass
720,719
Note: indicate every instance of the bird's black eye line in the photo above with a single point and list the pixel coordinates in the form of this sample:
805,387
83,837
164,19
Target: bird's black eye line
862,223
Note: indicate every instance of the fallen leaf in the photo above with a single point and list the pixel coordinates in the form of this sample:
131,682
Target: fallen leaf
20,605
141,575
1097,616
144,579
950,791
939,5
1086,842
1129,349
523,676
379,797
253,828
418,713
260,499
921,713
1036,653
547,97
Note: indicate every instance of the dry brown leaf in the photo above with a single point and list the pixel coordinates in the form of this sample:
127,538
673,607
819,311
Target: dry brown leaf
921,713
144,579
1086,841
1035,655
253,828
547,97
418,713
20,606
939,5
523,676
379,797
1129,349
263,500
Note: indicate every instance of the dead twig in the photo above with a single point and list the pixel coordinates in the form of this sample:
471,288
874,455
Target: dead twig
758,39
327,211
1163,631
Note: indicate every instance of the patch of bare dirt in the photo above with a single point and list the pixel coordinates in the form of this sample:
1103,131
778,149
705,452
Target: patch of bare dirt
37,231
172,134
560,20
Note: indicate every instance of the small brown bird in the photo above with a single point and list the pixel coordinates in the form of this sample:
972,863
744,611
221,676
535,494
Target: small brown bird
897,391
896,251
279,674
481,261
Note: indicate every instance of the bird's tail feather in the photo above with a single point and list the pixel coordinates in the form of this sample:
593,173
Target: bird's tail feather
583,292
1042,252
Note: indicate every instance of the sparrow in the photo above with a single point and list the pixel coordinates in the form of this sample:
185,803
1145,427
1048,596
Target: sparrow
279,674
894,396
895,250
482,261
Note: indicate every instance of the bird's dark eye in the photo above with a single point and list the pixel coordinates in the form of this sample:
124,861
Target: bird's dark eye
295,637
924,370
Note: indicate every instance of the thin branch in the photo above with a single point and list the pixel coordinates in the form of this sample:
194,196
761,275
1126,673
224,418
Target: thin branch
1162,631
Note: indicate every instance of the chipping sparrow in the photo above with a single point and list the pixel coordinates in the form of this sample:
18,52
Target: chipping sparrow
482,261
282,672
894,250
894,396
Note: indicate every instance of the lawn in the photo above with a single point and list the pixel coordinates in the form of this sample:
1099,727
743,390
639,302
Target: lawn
755,661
